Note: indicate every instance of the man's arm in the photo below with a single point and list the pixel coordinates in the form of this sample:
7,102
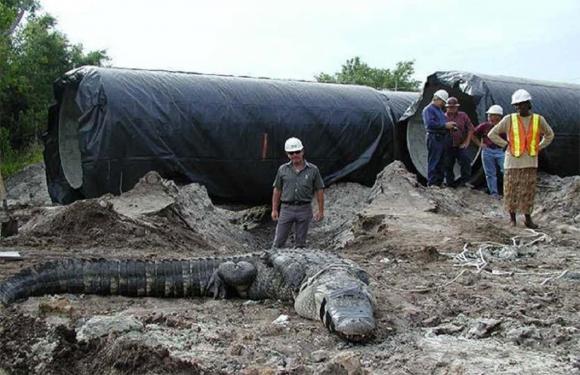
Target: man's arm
432,121
319,192
276,194
476,136
500,128
548,134
467,139
320,199
469,133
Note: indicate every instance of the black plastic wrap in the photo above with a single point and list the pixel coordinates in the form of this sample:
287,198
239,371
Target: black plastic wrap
399,102
559,103
226,133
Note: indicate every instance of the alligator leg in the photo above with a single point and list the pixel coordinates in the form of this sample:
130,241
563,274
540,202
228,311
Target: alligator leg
231,279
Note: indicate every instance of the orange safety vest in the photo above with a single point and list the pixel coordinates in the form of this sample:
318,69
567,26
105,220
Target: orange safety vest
520,140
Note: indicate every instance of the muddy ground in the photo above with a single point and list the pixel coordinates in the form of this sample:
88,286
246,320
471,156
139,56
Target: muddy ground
458,291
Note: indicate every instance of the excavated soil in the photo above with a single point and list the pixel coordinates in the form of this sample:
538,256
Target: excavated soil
458,291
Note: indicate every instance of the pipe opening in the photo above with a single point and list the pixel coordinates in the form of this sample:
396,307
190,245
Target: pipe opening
68,139
416,135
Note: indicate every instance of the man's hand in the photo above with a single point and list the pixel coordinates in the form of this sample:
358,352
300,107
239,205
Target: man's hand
451,125
318,216
463,145
275,215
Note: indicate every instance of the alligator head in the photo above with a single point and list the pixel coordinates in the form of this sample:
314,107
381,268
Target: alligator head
342,301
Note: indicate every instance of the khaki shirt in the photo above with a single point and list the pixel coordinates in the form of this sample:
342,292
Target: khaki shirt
525,160
298,186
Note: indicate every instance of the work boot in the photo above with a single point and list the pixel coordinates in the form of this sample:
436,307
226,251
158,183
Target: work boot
513,219
529,223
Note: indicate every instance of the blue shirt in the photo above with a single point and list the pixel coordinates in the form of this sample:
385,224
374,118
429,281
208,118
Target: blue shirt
434,118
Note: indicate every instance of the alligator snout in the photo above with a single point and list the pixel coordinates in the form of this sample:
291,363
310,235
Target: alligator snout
353,322
356,329
349,312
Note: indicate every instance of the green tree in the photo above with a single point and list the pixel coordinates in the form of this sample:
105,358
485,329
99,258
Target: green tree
33,53
357,72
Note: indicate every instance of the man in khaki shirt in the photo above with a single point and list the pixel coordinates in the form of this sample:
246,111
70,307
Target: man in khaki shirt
294,187
521,158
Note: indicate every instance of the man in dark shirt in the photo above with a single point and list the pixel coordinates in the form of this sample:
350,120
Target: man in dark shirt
461,138
492,155
296,183
438,137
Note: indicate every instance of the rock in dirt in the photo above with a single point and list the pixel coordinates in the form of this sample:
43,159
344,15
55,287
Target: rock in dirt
55,305
27,188
319,356
572,275
259,371
99,326
525,336
347,363
483,328
447,329
281,320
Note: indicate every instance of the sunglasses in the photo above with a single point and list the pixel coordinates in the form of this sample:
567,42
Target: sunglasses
294,152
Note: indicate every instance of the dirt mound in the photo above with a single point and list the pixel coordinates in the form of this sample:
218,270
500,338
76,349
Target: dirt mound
342,202
21,339
95,223
28,187
127,356
558,200
84,217
194,208
30,345
155,214
398,206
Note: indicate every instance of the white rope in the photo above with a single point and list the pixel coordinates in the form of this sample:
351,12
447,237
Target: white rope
552,278
539,237
423,290
477,259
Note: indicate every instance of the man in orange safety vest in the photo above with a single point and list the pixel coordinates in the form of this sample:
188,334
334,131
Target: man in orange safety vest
527,134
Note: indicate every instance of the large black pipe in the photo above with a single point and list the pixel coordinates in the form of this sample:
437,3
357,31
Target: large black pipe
110,126
559,103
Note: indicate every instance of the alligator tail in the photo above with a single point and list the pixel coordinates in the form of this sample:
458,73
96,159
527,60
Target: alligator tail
133,278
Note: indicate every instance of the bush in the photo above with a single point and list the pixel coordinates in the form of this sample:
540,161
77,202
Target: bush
14,161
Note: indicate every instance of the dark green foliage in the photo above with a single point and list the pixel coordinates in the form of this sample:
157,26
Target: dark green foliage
357,72
33,53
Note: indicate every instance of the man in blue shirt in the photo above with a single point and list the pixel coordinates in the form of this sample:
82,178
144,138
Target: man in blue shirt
438,137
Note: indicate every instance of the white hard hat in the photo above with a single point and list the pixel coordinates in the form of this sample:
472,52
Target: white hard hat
495,110
520,96
293,144
441,94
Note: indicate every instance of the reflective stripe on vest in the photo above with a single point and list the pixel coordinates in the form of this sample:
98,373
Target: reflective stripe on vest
520,140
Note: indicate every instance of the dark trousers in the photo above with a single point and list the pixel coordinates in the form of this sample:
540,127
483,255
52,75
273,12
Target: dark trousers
437,144
300,217
460,155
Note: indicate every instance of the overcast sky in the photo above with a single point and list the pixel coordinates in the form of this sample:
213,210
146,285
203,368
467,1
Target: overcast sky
298,39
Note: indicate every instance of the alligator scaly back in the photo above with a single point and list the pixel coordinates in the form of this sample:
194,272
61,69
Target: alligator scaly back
323,285
132,278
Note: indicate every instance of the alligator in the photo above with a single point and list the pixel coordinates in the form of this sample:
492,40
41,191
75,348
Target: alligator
322,285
